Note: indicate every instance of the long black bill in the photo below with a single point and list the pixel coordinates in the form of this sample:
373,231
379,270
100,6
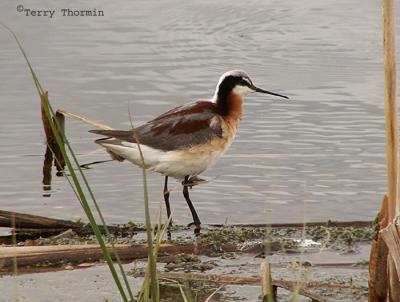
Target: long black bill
269,92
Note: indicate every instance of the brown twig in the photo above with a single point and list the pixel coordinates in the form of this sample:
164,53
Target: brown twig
248,280
84,119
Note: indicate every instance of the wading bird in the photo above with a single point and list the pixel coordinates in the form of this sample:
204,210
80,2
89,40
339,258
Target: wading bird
185,141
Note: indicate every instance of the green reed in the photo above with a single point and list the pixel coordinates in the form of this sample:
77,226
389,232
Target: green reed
77,180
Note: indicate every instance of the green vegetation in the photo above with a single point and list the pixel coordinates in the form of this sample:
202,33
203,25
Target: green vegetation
80,184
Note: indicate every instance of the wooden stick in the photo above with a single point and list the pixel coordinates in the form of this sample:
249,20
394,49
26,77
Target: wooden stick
39,225
31,255
269,291
390,94
34,221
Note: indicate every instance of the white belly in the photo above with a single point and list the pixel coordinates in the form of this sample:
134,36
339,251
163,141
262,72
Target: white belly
177,164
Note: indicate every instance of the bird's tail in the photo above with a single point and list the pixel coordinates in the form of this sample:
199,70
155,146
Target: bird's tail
123,135
107,141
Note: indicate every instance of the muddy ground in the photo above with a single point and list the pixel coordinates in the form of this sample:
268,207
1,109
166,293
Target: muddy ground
328,254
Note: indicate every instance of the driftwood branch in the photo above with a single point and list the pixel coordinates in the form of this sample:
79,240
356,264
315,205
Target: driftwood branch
34,221
31,255
33,226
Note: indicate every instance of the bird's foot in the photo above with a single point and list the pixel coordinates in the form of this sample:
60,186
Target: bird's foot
169,226
193,181
169,237
197,227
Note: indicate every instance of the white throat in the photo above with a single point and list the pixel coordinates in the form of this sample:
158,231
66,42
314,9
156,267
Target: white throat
242,90
238,89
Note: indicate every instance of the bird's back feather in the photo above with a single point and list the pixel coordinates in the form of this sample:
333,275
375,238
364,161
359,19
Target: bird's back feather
180,128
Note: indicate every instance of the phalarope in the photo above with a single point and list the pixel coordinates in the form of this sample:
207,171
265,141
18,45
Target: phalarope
185,141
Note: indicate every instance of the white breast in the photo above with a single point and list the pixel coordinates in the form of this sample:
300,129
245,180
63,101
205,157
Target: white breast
177,163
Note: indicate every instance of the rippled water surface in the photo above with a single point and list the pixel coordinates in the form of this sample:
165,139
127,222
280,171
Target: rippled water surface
318,156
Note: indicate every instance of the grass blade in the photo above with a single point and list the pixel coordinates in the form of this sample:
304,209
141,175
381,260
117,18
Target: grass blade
152,268
82,197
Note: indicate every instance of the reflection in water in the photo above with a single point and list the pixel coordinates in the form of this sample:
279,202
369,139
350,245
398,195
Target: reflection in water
59,162
47,167
53,152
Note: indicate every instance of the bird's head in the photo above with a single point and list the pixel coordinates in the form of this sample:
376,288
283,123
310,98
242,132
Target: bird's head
238,82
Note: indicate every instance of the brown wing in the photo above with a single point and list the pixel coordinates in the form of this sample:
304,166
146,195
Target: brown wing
179,128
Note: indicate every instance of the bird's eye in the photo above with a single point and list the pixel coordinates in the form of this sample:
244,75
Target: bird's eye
244,82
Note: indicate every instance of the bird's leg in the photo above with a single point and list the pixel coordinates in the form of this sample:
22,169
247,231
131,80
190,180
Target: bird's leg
167,205
196,219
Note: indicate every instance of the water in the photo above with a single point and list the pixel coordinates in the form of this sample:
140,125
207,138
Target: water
319,156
